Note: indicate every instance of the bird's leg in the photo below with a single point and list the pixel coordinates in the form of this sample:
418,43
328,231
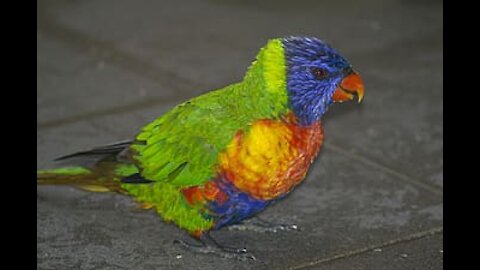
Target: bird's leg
209,245
260,225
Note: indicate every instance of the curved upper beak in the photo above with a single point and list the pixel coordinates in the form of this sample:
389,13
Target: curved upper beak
350,86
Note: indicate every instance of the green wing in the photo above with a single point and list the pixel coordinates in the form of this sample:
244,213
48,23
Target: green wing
182,146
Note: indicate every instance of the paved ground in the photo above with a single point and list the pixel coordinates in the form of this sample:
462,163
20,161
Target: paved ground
374,198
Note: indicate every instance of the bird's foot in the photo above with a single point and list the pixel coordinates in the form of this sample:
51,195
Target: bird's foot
210,246
259,225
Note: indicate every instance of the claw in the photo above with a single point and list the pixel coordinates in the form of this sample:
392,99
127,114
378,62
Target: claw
210,246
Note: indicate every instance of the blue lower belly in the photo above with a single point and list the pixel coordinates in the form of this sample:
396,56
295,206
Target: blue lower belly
237,207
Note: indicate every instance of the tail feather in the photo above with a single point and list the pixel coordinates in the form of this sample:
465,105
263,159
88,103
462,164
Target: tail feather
101,179
63,176
97,169
111,163
111,150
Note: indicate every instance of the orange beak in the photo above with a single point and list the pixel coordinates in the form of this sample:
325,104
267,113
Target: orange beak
348,88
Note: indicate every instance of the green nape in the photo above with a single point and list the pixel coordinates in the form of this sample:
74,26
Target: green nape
65,171
270,65
171,205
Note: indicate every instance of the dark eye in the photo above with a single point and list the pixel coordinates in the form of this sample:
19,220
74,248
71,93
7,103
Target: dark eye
319,73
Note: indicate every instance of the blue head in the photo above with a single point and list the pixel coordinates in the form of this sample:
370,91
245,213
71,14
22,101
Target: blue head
317,75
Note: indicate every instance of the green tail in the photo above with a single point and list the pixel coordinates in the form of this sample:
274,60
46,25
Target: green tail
103,177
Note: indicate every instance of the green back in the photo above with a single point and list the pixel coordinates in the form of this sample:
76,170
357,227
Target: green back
182,146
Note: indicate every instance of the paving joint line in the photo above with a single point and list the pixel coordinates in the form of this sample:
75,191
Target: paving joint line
107,52
387,170
130,107
348,254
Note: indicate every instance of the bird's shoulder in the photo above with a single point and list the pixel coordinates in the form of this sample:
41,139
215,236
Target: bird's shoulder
182,146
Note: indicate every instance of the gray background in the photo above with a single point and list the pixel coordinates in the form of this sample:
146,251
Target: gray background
372,200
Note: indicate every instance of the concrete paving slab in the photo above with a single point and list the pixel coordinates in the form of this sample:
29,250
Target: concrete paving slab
70,83
106,68
425,253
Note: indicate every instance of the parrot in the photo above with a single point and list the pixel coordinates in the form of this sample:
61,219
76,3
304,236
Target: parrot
219,159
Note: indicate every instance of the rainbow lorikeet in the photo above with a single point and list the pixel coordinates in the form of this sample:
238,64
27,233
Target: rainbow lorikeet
222,157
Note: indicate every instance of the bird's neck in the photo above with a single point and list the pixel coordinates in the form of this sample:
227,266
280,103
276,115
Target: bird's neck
266,84
266,90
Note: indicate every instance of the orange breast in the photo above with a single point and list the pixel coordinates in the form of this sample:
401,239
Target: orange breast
272,157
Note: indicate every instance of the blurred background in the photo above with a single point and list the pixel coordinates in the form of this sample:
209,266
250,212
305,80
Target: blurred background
374,197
